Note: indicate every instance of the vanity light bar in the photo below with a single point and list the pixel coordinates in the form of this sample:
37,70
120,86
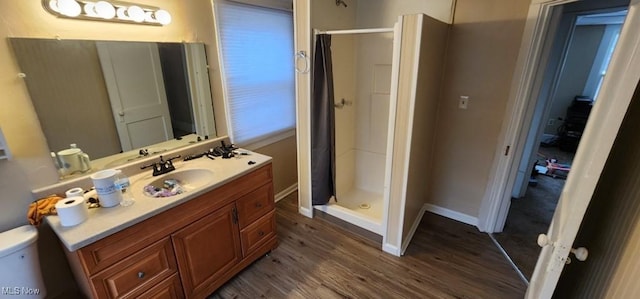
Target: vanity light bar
112,11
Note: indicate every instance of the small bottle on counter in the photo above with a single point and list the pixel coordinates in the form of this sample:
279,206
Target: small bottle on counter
122,183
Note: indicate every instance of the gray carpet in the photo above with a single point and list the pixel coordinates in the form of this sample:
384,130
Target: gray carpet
531,215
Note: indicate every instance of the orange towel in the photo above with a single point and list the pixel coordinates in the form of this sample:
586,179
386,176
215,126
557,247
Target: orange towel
42,207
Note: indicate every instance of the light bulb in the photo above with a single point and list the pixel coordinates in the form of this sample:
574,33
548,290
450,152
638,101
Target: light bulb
69,8
135,13
121,13
105,10
163,17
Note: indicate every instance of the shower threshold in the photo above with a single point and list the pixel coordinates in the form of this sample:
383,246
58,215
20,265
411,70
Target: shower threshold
358,207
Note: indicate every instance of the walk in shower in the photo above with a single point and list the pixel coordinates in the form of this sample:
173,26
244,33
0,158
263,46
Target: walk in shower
367,110
361,82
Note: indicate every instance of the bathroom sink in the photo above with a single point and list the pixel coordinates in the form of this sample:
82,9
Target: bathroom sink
188,179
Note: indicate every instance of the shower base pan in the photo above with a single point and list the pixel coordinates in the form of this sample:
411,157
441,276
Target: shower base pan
358,207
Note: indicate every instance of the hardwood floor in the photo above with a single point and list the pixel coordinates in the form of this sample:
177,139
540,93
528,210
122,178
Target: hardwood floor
318,259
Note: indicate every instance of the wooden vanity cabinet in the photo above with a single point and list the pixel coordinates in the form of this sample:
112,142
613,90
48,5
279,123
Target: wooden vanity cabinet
187,251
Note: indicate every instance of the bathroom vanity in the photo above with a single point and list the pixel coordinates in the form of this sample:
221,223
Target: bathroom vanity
184,246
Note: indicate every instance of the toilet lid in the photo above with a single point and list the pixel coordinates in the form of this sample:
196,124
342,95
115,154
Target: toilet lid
16,239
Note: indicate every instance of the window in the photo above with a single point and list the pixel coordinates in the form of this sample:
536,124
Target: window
256,45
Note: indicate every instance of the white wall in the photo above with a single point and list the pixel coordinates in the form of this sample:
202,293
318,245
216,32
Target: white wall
372,108
342,50
580,56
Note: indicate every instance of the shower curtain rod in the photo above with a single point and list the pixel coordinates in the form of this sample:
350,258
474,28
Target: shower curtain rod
354,31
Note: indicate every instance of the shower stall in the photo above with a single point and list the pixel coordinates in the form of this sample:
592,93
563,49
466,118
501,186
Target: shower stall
362,100
366,124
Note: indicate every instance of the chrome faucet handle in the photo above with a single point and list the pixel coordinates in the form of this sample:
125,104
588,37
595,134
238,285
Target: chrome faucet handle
162,166
168,165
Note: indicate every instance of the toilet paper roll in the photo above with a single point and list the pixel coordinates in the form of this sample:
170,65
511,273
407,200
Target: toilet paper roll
72,211
74,192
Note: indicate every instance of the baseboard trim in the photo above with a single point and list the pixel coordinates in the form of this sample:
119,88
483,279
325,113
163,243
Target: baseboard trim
388,248
413,229
306,212
284,193
451,214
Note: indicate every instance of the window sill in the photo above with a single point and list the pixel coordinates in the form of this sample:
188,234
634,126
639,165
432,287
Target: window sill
271,139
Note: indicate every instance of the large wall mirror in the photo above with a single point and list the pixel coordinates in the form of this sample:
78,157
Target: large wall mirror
112,97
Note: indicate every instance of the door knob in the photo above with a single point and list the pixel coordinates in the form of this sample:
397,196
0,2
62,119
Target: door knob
581,253
543,240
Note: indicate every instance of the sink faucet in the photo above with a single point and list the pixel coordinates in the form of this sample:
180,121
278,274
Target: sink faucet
143,152
162,166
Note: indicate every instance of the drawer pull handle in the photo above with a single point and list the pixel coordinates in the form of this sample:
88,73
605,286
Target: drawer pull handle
140,274
258,205
260,233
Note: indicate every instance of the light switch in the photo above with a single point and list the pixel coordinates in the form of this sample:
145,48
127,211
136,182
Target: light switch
463,102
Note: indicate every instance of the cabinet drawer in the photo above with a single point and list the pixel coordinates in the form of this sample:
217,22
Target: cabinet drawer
136,273
170,288
255,204
253,235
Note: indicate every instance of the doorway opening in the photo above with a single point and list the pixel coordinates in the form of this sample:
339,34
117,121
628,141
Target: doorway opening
579,54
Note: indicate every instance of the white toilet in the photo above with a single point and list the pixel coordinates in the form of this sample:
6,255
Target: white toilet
20,275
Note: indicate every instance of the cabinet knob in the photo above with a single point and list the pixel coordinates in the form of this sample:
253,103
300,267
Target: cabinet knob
140,274
260,233
258,205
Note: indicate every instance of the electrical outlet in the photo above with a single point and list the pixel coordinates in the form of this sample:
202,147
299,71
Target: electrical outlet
463,102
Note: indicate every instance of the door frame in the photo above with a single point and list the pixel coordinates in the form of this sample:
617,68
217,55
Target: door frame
542,101
525,84
618,88
531,63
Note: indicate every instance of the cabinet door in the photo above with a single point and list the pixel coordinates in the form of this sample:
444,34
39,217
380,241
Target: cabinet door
206,249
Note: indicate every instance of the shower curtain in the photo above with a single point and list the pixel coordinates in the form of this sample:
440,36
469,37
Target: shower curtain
323,158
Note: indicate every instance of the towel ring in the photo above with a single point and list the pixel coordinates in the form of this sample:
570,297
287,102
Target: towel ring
303,55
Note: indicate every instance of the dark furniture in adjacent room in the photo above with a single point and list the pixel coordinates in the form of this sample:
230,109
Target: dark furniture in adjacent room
570,132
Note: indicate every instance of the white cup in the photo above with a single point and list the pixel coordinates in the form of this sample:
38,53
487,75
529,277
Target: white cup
104,182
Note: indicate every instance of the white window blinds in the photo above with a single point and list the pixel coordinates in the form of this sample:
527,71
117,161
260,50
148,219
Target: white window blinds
256,47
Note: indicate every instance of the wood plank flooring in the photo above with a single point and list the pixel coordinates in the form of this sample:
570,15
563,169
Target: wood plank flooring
318,259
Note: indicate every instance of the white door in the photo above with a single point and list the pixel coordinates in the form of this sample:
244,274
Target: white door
606,117
198,74
133,76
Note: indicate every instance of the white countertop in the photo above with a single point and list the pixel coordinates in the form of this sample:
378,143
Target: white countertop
103,222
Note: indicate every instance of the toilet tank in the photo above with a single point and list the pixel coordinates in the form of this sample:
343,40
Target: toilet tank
20,275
